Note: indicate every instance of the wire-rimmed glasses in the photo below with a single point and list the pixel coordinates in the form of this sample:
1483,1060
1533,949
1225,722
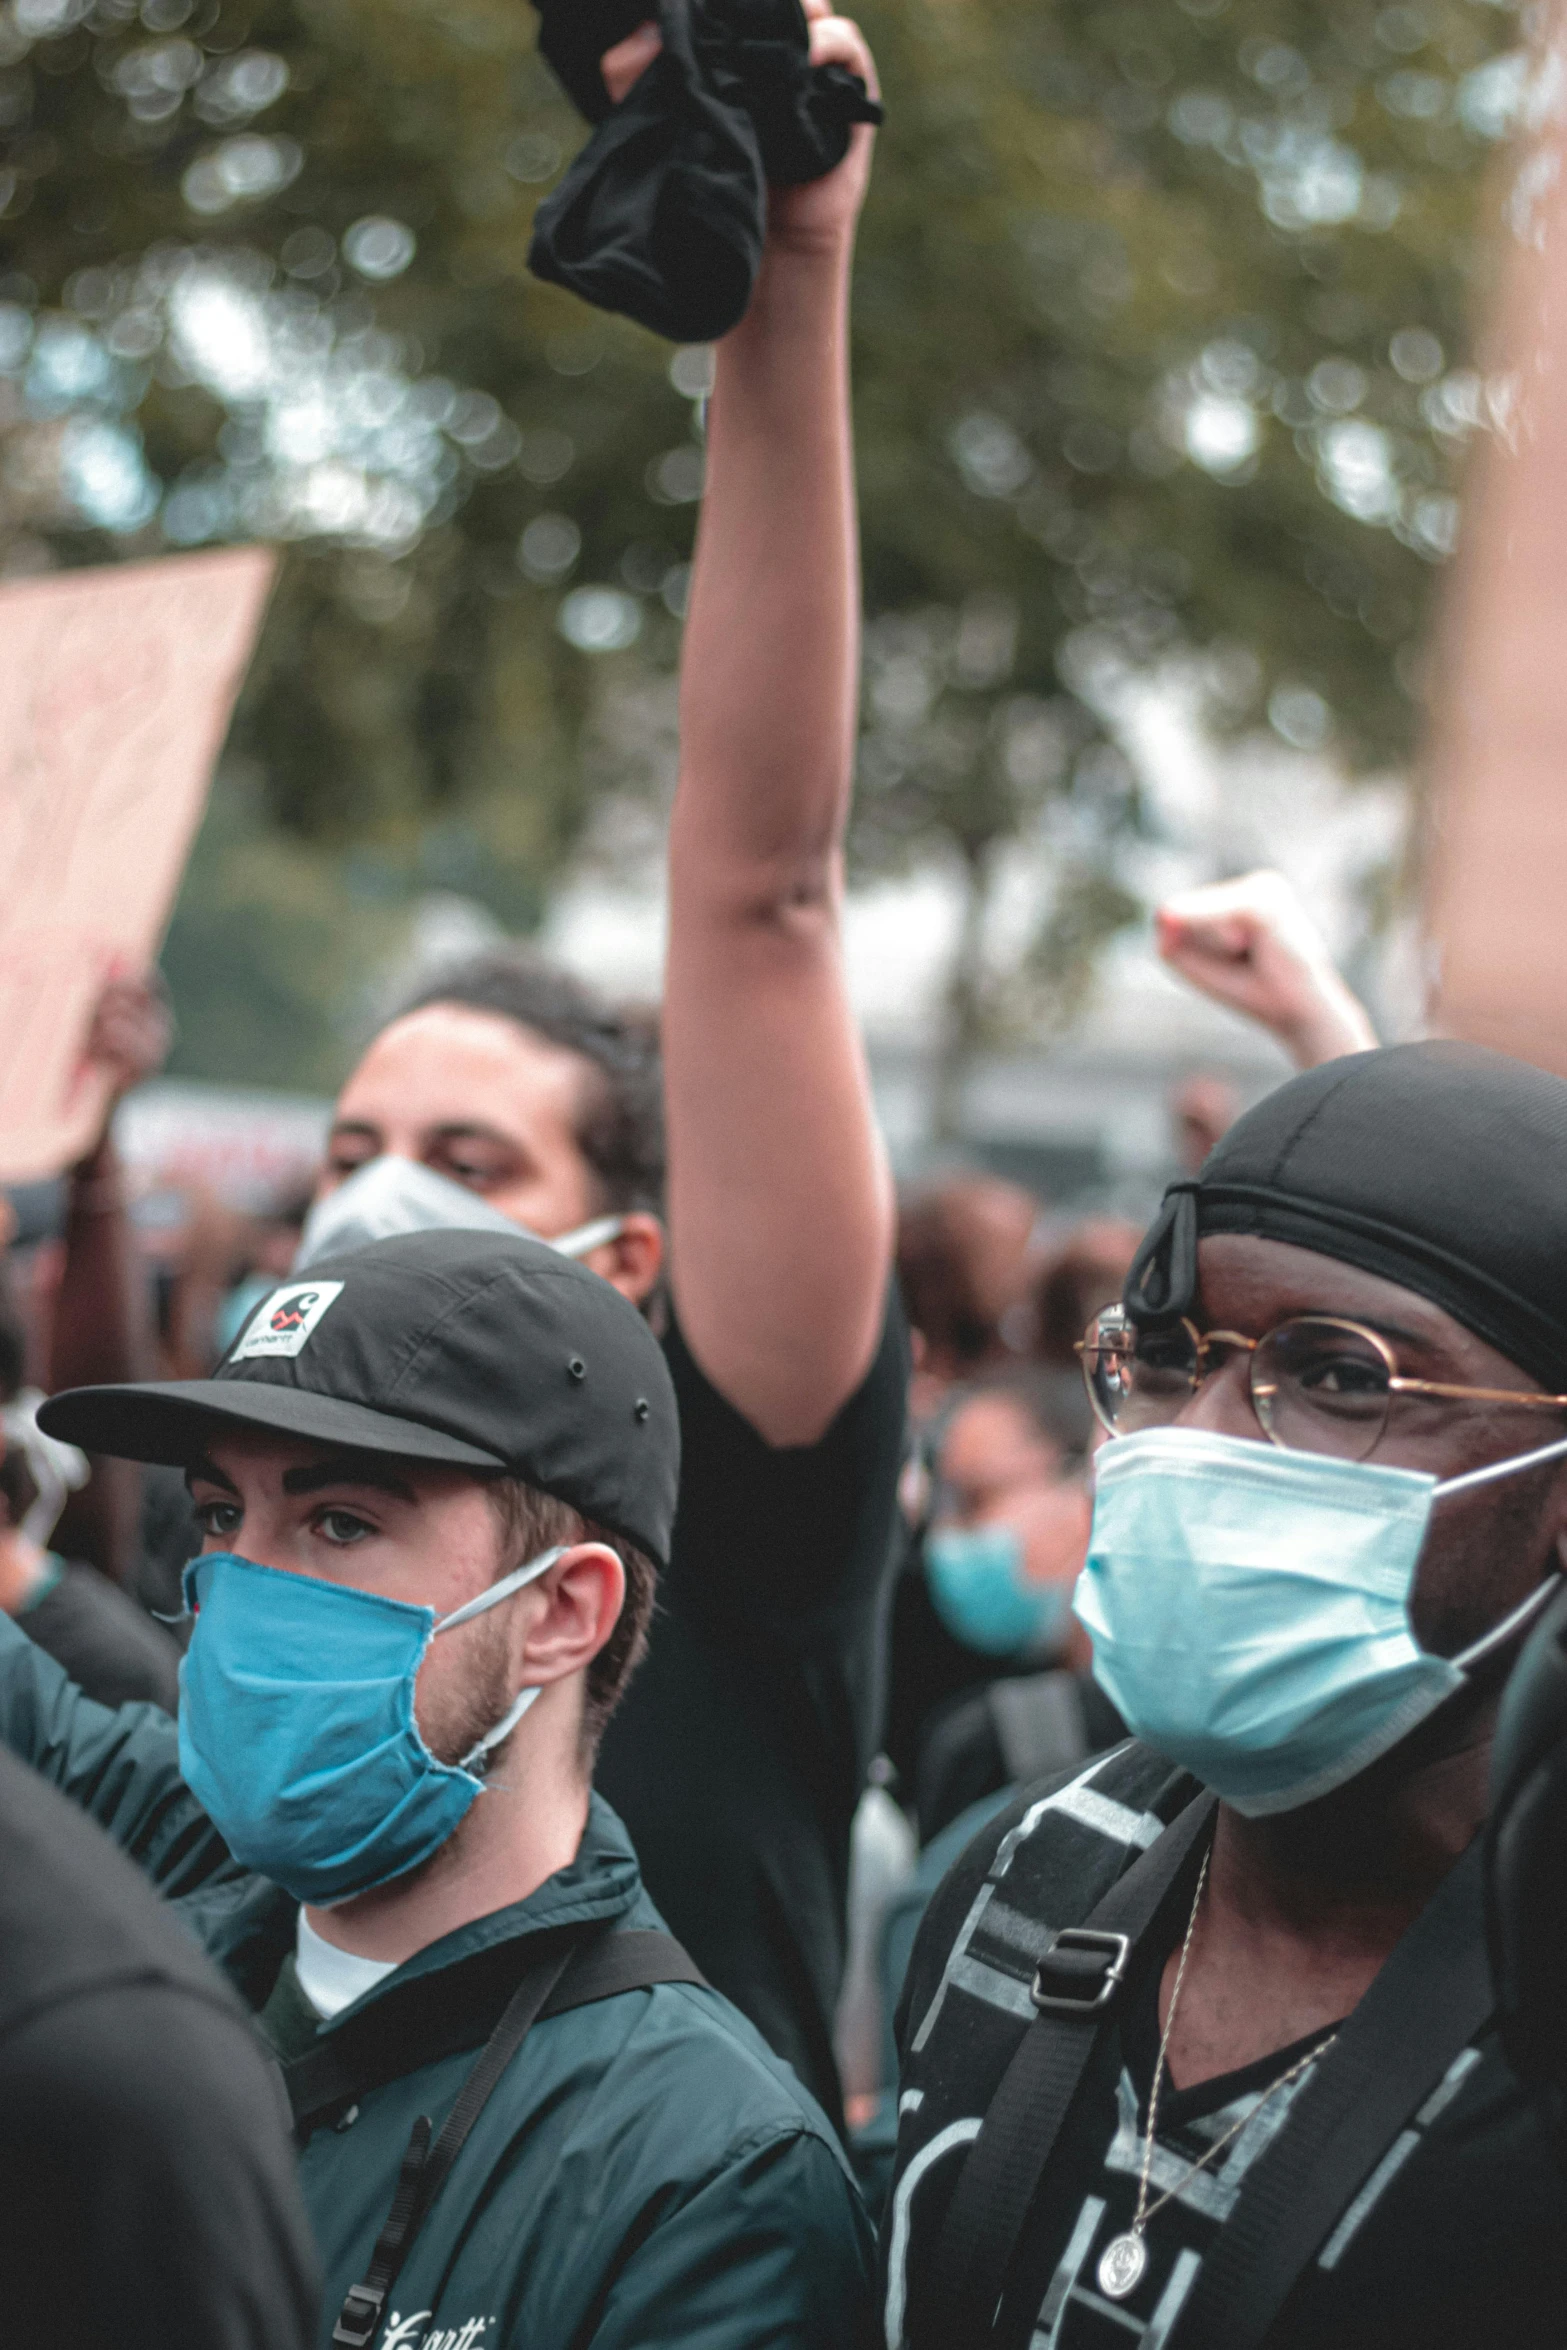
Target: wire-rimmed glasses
1318,1383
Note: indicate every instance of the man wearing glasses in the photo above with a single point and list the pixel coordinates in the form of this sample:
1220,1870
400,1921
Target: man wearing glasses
1198,2046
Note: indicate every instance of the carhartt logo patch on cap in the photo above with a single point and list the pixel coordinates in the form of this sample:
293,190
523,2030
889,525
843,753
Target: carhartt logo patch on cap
281,1326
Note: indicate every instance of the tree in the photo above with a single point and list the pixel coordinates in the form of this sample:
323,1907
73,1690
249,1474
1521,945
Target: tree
1162,348
1161,322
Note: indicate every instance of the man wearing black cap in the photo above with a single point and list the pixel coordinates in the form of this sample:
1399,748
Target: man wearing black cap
1198,2044
434,1479
743,1748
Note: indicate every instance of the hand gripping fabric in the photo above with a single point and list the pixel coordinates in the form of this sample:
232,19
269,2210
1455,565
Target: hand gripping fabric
663,214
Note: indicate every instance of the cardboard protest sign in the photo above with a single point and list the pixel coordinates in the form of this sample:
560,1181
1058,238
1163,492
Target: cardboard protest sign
116,688
1496,851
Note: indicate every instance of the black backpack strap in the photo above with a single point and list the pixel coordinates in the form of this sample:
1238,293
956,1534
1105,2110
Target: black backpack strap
456,2008
1431,1997
612,1963
1075,1987
570,1974
424,2167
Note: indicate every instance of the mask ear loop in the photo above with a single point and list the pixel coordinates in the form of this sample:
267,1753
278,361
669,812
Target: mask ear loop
1534,1605
473,1760
1507,1468
1499,1635
588,1237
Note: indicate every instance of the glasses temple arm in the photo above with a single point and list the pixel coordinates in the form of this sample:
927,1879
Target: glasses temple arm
1402,1386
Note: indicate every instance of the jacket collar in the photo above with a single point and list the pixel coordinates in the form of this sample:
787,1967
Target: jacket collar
601,1883
247,1925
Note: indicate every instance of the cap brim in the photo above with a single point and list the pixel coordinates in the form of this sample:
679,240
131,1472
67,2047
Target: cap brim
171,1421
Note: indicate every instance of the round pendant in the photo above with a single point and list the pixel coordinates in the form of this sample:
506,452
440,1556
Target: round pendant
1121,2266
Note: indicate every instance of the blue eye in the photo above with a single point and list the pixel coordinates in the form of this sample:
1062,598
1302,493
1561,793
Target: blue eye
343,1527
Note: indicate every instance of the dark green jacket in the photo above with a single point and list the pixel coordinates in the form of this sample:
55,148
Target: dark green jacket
646,2173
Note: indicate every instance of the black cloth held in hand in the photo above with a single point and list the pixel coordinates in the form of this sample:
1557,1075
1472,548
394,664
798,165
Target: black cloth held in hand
663,214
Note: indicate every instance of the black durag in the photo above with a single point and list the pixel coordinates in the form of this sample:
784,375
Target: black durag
663,214
1440,1166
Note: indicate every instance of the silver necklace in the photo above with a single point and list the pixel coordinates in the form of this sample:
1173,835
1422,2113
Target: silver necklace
1124,2260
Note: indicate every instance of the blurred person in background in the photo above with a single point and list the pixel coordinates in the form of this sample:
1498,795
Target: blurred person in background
1084,1275
88,1624
964,1250
210,1269
742,1748
1002,1553
76,1307
1020,1420
1203,1108
88,1304
195,1248
267,1246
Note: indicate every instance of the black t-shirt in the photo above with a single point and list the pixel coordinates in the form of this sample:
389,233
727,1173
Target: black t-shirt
103,1639
147,2192
741,1749
1458,2239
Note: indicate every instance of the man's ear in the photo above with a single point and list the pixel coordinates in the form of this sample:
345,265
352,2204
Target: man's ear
582,1596
632,1261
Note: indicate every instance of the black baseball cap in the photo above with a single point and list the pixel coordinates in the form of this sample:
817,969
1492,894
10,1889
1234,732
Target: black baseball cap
487,1351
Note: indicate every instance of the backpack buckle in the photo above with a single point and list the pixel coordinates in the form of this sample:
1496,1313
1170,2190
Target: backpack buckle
1084,1969
359,2318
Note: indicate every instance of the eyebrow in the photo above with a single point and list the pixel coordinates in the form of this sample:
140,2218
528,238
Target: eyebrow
316,1474
313,1476
474,1130
208,1473
455,1130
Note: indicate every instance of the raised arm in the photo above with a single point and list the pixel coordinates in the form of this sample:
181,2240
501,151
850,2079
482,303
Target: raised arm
1251,944
780,1204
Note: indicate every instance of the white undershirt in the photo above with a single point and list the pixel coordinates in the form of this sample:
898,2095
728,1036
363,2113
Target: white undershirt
332,1979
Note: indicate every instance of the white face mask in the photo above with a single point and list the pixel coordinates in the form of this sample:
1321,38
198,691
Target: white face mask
1249,1608
389,1196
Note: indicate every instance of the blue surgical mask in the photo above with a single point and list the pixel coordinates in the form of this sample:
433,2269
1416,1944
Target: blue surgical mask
297,1729
1249,1608
981,1593
389,1196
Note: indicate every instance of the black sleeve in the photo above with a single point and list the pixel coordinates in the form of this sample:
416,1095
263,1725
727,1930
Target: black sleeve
147,2196
776,1544
111,1650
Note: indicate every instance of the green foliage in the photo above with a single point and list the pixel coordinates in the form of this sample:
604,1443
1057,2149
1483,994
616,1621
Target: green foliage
268,951
1161,321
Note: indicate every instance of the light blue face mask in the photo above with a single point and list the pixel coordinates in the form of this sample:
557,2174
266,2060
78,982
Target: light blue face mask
979,1590
1249,1608
297,1729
